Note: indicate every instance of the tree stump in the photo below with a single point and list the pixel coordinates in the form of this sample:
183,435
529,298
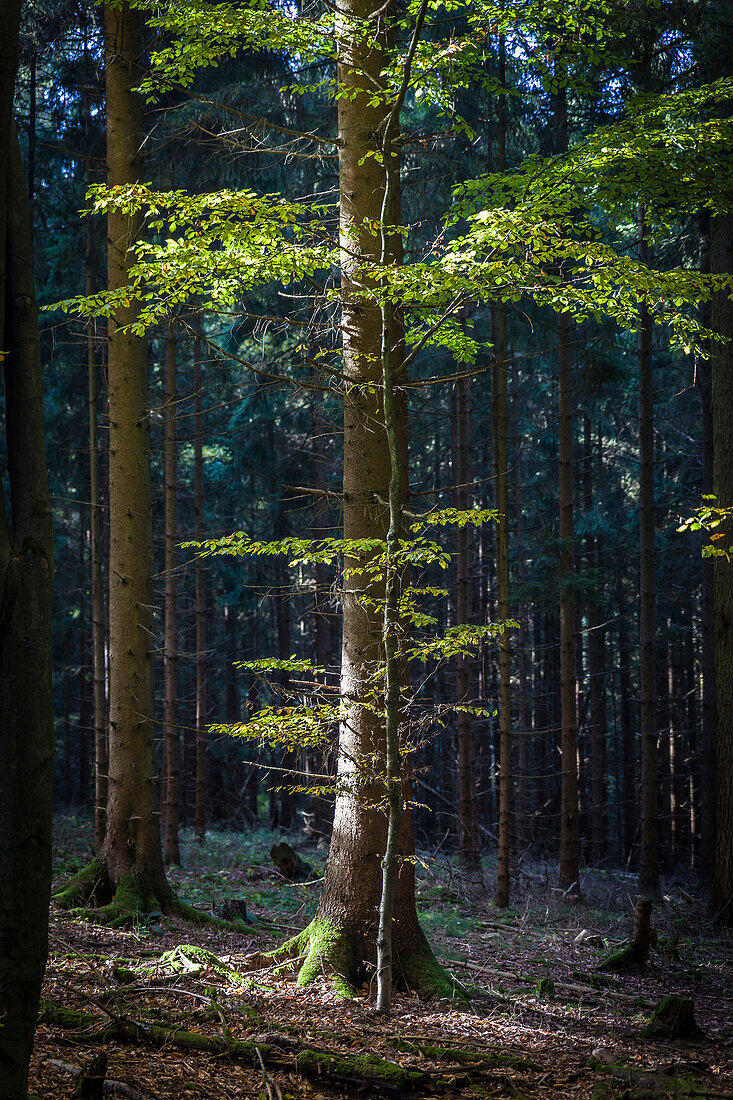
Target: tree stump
90,1082
673,1018
289,863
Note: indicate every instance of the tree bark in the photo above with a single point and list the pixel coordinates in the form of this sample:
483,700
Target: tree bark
26,565
721,260
569,834
172,852
344,932
597,709
501,502
198,505
648,865
128,872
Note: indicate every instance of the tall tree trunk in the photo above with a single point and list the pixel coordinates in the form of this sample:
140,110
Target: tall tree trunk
721,260
198,506
26,565
596,692
129,869
569,833
97,589
648,865
501,502
708,778
344,931
468,846
171,768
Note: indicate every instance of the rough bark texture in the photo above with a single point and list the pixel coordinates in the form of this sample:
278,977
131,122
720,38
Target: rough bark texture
26,724
170,652
468,847
344,931
595,661
198,504
721,260
128,873
569,843
648,865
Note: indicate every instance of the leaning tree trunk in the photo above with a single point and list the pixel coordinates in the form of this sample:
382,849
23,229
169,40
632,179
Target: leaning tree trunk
721,260
26,563
128,873
343,934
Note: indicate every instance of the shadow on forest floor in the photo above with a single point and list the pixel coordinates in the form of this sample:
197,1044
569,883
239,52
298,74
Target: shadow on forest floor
543,1022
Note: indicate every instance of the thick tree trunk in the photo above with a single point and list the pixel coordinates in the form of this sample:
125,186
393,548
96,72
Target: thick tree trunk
569,834
344,932
721,260
26,562
648,865
171,764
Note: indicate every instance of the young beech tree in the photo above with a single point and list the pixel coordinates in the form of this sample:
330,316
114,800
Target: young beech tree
26,565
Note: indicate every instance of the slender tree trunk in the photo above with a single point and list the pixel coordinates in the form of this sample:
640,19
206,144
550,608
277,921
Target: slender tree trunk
129,870
172,851
468,846
97,588
721,260
708,769
26,565
595,665
648,866
569,835
198,505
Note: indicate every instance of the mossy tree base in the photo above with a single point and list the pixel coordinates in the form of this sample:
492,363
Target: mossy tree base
324,950
89,894
673,1018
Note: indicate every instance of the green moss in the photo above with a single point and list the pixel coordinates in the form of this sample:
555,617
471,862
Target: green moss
189,958
464,1057
82,886
325,950
367,1066
673,1018
422,973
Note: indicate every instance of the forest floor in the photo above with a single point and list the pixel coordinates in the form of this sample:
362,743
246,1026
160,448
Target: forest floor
520,1035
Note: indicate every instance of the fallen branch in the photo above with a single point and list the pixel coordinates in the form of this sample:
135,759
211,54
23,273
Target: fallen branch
119,1088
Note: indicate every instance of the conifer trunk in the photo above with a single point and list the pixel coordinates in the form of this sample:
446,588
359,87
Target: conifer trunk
569,838
344,931
468,848
128,872
26,565
501,501
721,260
171,753
198,505
648,866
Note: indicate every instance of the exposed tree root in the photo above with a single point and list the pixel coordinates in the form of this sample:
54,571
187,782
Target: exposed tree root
324,950
129,903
